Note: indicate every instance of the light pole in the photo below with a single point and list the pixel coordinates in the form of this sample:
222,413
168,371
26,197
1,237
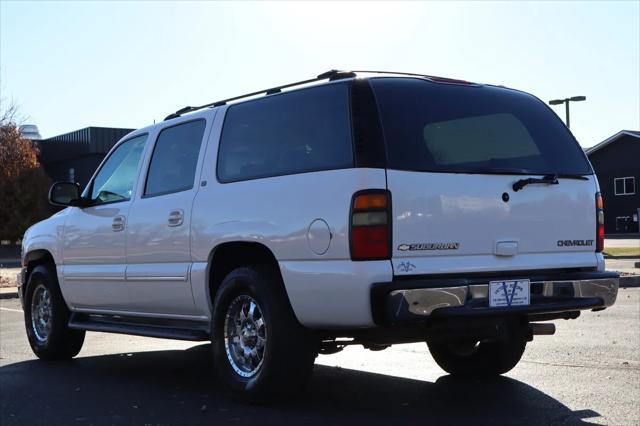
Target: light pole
566,103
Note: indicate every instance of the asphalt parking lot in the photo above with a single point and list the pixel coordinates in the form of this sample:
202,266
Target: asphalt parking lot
588,373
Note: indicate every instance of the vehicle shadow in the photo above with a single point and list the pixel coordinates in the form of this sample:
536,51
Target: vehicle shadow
178,387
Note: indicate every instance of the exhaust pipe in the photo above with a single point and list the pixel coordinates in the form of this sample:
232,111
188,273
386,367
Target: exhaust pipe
542,329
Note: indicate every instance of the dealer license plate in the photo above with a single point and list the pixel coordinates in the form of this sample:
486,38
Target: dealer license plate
509,293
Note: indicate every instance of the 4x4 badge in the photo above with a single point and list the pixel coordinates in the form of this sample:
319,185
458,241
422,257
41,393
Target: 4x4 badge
406,267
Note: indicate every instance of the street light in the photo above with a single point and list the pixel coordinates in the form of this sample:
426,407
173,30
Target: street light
566,103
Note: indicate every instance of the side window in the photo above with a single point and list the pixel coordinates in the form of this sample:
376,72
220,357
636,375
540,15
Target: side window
297,132
115,180
174,160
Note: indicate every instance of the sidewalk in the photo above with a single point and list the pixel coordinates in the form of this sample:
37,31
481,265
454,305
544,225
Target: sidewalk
8,275
621,242
624,266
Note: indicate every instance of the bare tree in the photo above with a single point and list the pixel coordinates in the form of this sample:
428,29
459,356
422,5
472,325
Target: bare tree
9,113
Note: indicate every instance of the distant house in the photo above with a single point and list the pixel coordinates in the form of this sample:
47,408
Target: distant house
616,161
74,156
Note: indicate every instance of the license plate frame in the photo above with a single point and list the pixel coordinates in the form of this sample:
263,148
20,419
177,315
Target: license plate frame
509,293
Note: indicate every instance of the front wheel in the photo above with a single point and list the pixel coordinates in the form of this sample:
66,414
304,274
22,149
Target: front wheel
260,350
478,358
46,318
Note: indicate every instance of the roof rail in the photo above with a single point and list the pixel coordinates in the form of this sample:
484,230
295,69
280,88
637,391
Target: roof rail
330,75
394,72
433,78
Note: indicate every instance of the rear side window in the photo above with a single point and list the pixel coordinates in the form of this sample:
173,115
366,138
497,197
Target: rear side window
468,129
303,131
174,160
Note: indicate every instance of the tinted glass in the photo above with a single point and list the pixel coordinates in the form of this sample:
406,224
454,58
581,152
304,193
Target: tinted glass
630,186
295,132
175,157
619,186
450,128
115,180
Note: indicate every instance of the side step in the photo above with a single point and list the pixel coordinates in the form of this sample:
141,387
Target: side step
149,327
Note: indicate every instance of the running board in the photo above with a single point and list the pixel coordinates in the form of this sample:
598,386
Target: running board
149,327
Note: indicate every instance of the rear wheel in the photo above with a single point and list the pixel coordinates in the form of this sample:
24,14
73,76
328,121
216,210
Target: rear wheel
260,350
46,318
478,358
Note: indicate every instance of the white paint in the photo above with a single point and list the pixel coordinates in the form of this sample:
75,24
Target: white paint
333,293
469,210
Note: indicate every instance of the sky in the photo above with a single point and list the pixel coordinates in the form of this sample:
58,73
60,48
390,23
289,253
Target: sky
69,65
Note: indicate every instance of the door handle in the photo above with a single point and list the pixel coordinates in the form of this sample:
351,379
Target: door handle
176,217
118,223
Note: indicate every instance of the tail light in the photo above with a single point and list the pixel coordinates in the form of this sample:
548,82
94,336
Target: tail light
370,223
599,223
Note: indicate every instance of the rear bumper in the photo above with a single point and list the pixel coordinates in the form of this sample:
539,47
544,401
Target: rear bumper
417,300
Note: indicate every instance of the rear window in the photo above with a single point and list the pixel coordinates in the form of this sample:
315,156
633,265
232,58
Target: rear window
468,129
297,132
174,159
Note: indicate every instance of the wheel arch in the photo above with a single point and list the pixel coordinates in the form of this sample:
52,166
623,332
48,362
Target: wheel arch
32,259
37,257
228,256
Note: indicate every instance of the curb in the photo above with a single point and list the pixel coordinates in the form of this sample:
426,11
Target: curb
9,293
622,257
630,281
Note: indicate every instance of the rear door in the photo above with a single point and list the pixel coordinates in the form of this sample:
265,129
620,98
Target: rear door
158,234
454,153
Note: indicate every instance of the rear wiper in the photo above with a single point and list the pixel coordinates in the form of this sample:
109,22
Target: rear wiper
547,179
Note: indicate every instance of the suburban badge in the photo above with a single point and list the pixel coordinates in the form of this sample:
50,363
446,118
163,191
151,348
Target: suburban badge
428,246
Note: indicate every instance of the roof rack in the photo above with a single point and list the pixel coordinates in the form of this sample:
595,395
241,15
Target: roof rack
329,75
393,72
433,78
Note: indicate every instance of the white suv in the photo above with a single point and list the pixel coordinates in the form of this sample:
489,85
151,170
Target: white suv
371,209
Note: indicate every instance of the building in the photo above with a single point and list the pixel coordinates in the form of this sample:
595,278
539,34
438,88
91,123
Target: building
74,156
30,131
616,162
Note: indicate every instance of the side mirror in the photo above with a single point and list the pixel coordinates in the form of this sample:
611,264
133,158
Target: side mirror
66,194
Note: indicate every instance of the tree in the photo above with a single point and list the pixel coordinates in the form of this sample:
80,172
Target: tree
23,182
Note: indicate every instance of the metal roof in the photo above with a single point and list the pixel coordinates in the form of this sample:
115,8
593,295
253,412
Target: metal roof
632,133
90,140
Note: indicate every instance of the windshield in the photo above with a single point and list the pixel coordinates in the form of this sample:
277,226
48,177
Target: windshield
472,129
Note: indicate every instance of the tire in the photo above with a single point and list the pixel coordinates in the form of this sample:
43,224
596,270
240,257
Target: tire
46,318
282,352
478,358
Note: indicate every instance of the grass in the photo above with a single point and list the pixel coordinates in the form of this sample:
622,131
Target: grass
622,251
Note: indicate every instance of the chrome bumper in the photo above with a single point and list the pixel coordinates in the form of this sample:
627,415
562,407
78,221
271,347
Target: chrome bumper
547,294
